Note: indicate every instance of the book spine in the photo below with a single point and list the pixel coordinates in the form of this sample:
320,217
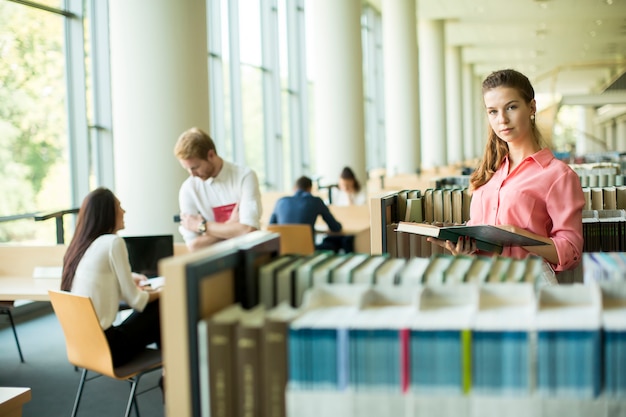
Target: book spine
221,369
274,372
248,385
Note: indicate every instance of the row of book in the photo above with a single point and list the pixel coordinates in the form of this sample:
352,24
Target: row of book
604,266
604,198
287,277
604,219
402,346
602,177
604,230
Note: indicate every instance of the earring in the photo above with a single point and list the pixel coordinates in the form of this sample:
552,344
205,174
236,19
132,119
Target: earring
532,117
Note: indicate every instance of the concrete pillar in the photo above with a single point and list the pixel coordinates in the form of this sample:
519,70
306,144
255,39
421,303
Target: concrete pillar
454,105
159,89
469,109
432,93
480,116
620,134
402,111
338,88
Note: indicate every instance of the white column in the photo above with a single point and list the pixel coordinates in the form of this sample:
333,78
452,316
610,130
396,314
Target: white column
620,134
432,93
480,127
159,89
402,112
338,88
583,124
609,136
454,103
469,109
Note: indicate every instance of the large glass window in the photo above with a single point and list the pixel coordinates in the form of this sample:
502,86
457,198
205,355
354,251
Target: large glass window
34,155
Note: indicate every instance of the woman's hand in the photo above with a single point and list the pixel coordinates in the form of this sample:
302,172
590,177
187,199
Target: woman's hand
464,246
140,280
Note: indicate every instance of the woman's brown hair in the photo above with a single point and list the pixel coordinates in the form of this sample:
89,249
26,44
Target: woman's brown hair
97,216
496,149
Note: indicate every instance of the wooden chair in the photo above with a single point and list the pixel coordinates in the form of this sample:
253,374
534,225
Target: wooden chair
87,347
5,308
294,238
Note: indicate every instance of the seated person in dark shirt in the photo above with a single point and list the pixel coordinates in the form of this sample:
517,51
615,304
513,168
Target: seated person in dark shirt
303,208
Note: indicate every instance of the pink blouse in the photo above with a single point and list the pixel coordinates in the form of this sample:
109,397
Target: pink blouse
542,195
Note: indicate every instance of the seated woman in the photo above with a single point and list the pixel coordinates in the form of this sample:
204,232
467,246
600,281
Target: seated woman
349,191
96,265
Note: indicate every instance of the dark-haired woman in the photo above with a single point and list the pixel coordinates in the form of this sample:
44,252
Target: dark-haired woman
96,265
348,191
519,185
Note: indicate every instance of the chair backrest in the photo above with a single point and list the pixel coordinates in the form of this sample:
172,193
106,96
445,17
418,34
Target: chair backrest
86,344
294,238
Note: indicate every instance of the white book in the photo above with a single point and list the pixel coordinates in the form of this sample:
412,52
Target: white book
52,272
413,272
516,271
498,269
322,272
364,273
458,269
439,263
344,273
302,277
479,270
387,273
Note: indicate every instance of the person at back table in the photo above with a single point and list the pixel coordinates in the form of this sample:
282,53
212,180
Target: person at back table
96,265
220,200
304,208
519,185
349,191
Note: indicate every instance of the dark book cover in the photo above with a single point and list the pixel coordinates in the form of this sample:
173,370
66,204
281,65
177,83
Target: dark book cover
488,238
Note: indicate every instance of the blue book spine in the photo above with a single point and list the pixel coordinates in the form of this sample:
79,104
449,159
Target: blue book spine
569,363
435,361
323,355
298,363
375,359
615,363
343,371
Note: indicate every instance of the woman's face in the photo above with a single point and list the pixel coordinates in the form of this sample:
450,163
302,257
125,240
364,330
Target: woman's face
509,115
346,185
119,216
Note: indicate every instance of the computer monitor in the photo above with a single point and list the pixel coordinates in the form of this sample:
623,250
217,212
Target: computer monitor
144,252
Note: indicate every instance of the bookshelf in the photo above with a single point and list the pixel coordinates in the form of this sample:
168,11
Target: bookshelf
198,285
202,283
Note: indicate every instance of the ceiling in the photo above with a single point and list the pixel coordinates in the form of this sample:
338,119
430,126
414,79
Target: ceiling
566,47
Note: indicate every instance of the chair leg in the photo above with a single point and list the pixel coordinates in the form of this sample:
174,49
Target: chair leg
81,384
131,398
17,342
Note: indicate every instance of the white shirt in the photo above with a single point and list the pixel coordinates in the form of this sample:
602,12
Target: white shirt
103,274
233,184
341,198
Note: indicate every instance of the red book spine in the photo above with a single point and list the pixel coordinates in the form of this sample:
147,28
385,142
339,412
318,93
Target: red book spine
405,379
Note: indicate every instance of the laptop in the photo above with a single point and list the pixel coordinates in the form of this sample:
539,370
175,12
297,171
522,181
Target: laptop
144,252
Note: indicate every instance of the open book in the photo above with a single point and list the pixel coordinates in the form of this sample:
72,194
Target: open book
488,238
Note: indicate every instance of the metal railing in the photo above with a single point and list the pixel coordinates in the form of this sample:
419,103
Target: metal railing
57,215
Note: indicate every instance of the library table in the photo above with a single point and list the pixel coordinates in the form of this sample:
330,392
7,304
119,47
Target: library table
12,399
27,288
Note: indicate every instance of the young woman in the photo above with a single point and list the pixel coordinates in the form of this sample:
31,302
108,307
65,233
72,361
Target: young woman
96,265
349,191
519,185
